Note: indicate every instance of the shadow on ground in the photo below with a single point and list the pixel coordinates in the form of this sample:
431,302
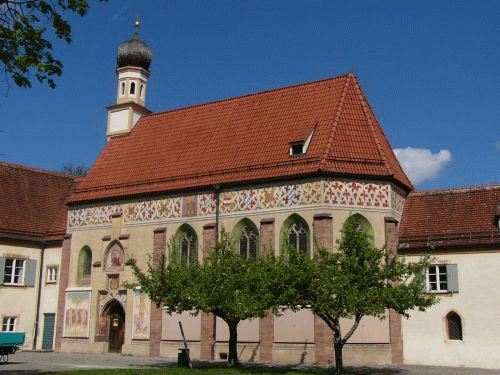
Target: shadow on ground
258,368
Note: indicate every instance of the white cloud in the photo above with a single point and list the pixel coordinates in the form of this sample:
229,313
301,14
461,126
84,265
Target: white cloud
421,164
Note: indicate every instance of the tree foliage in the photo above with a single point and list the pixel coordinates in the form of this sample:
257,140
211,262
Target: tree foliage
226,284
75,170
355,281
26,27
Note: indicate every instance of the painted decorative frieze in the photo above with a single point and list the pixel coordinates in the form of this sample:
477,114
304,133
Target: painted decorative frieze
397,198
332,193
356,194
93,215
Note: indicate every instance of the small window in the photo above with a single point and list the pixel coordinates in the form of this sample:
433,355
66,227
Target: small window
454,324
442,278
51,274
297,148
123,88
141,91
132,88
14,271
9,324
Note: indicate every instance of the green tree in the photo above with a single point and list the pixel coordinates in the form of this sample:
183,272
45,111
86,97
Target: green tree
355,281
227,285
25,48
75,170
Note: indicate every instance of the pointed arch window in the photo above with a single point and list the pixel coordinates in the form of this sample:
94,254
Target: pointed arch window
454,323
141,91
123,88
188,244
84,266
248,242
363,225
132,88
297,236
295,231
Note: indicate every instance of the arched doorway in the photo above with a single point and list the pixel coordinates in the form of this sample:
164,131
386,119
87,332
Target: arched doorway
115,315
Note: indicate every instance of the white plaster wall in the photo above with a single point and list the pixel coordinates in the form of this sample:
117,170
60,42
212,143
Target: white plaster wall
50,291
20,301
191,325
294,327
477,303
248,330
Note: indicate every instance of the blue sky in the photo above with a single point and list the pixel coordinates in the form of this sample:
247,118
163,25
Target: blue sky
430,70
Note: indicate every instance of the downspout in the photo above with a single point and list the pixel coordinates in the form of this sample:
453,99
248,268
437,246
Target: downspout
217,218
217,211
39,294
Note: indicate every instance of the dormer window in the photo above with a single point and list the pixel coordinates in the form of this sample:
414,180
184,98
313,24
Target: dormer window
297,148
300,147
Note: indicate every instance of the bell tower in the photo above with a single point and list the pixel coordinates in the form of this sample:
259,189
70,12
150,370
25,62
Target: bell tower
133,61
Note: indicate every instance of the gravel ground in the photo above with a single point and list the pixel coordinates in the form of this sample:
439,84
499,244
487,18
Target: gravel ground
31,363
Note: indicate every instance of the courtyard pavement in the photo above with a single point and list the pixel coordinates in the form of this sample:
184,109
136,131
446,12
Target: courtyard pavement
32,363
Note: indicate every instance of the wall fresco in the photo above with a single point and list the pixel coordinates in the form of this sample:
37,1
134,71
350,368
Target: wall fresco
76,315
333,193
142,310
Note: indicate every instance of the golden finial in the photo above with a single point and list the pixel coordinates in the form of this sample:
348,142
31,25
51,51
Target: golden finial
137,24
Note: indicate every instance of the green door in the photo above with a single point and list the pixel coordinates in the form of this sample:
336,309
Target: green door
48,331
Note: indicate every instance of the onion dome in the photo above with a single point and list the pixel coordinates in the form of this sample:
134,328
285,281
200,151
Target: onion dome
134,52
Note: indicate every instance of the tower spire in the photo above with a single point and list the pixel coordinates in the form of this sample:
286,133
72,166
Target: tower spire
133,60
137,24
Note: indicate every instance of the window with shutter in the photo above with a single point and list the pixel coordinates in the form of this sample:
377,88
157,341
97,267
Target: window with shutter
15,271
442,278
2,267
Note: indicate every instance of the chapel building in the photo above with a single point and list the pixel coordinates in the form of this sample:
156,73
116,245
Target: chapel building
293,163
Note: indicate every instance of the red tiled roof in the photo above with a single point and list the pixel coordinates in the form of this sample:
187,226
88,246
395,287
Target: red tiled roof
453,217
247,139
32,203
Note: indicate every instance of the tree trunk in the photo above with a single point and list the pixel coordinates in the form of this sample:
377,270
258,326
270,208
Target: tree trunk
337,346
233,344
338,343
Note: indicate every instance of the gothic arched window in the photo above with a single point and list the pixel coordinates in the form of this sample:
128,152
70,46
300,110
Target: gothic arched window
84,266
188,244
363,225
295,231
248,242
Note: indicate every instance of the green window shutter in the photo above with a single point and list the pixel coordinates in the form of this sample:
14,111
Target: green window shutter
30,272
424,281
452,273
2,269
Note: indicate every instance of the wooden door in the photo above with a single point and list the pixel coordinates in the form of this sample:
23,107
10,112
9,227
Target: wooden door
116,332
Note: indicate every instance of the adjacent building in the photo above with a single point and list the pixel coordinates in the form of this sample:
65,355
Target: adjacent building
460,229
32,226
